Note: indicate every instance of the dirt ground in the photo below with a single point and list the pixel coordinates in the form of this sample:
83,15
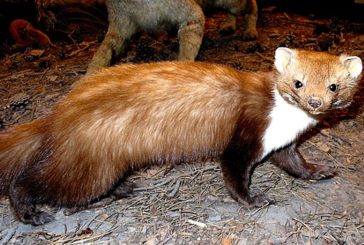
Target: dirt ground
189,203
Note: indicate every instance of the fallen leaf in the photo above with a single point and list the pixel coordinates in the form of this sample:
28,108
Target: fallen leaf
36,52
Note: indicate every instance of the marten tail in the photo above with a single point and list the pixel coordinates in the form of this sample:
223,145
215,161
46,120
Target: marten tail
18,145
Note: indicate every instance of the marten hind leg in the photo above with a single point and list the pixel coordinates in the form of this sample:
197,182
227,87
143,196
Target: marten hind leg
237,176
23,202
122,190
24,191
290,160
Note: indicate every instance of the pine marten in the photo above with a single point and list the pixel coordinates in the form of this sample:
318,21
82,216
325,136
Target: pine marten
127,17
129,116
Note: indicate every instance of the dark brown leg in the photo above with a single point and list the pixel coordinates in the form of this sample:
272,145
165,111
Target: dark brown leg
291,161
23,204
237,176
124,189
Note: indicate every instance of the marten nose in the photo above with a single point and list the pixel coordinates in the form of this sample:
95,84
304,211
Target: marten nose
314,102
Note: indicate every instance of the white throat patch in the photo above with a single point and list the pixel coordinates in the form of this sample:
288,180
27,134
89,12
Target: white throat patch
286,123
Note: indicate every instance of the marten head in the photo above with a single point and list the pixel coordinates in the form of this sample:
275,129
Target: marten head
316,82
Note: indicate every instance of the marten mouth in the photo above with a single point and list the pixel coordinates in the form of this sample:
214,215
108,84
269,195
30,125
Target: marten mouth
316,113
290,99
302,104
339,104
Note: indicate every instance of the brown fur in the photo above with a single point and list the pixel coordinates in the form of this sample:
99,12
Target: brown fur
132,123
127,117
130,116
317,71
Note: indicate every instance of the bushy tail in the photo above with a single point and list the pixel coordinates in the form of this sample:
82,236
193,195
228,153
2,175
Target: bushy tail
18,146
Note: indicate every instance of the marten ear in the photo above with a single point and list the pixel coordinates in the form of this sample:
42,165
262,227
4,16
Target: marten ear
283,57
353,64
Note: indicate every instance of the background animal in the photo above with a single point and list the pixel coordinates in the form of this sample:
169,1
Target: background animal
127,17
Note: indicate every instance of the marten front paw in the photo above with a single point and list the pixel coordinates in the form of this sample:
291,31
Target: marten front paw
260,200
255,201
318,172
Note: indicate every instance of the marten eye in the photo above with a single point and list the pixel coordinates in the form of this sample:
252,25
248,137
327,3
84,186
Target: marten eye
333,87
298,84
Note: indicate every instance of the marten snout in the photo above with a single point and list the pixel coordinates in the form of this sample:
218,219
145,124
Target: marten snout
314,102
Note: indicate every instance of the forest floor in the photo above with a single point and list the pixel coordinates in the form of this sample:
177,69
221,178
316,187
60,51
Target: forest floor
189,204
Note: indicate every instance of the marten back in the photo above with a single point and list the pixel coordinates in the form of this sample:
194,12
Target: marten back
156,114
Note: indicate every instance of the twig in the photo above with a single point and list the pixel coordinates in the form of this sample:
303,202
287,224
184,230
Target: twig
264,57
87,45
306,22
175,189
26,113
8,236
304,224
336,138
260,208
44,73
199,224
